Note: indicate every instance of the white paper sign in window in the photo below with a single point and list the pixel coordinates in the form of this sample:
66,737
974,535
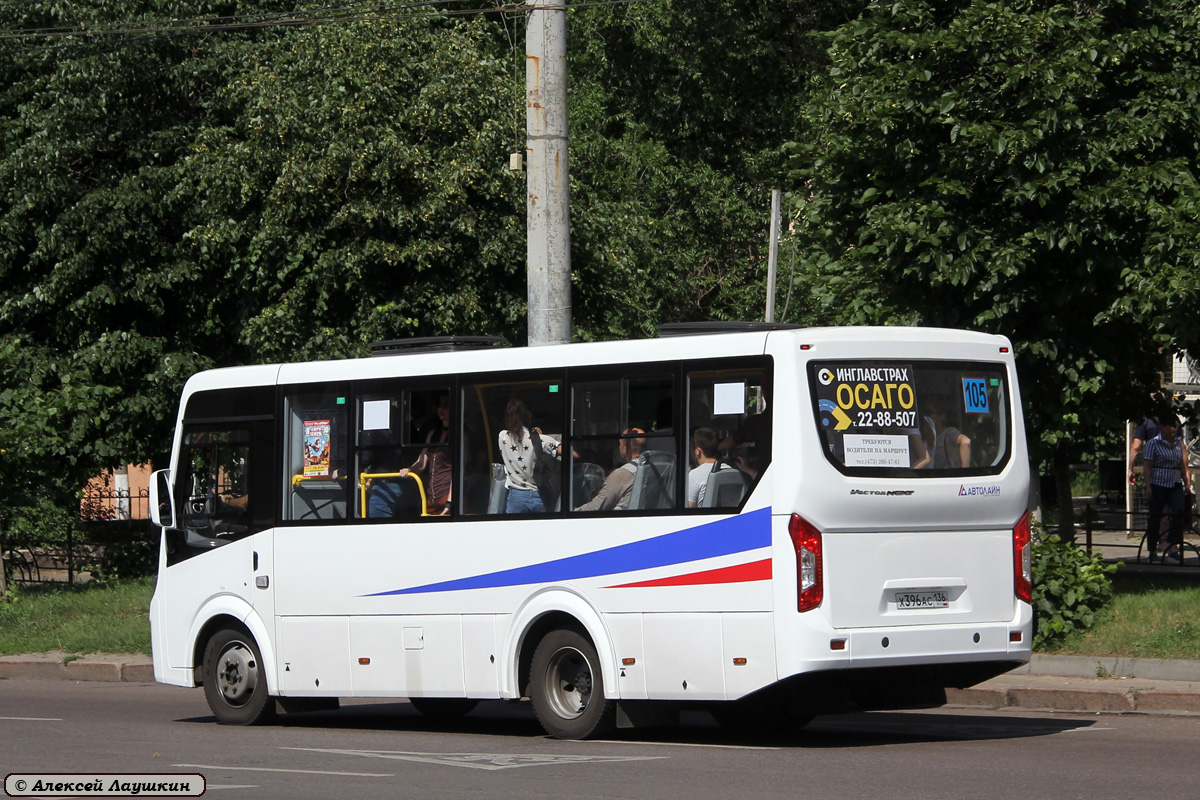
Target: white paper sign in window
876,451
729,398
376,415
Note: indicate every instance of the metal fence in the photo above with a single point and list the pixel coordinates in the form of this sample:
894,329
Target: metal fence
1117,529
113,537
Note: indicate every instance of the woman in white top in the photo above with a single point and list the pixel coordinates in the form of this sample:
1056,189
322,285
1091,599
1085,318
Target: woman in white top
519,456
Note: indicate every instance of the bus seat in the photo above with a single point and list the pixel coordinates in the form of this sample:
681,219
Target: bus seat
586,480
497,491
654,482
318,500
726,487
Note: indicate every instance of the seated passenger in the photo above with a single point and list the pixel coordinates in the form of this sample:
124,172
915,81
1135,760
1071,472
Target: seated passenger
618,486
951,447
745,459
704,453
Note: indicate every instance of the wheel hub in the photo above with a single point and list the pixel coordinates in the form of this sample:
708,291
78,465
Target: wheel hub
569,681
237,674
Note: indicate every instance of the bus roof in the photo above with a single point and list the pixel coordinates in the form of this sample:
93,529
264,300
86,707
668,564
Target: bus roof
714,345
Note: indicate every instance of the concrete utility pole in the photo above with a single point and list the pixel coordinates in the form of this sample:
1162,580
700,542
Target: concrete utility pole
773,255
547,210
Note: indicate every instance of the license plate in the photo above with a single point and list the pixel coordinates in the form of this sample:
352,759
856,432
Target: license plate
934,599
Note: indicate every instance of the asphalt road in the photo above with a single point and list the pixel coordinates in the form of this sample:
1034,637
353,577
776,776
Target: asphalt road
374,749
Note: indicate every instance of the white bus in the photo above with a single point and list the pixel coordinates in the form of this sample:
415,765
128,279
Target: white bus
863,539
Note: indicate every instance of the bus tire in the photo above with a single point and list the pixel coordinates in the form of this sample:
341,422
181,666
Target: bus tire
443,707
566,687
235,683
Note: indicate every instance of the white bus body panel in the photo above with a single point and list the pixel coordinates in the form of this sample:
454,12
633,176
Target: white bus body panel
188,597
464,576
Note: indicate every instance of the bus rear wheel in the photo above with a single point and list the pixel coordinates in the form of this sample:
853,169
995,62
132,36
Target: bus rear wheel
235,683
567,687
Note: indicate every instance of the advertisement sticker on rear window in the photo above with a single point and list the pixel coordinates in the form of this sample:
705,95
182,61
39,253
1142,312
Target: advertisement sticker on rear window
909,418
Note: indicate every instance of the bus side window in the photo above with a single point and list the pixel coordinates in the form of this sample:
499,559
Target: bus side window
623,445
404,453
500,473
729,424
217,483
316,484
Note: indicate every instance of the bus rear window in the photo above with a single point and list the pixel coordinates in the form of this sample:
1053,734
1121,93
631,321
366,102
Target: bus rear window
912,418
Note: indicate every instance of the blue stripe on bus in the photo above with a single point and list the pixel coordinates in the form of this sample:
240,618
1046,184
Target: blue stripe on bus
745,532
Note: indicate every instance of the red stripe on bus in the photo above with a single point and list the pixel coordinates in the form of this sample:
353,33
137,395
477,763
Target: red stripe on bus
739,573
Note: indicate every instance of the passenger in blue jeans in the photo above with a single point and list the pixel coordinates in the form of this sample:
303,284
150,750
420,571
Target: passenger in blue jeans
1165,467
519,455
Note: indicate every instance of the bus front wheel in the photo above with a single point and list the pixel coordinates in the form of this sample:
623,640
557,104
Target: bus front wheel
235,683
567,687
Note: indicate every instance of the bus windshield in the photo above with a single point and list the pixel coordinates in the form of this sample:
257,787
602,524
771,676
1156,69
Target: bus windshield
912,418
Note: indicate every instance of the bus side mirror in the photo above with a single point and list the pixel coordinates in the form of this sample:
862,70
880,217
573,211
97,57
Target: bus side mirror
162,507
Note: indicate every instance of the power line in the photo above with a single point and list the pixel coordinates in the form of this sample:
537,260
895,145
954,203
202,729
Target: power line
81,41
245,21
314,16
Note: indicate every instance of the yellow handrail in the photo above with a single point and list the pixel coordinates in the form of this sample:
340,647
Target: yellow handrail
365,476
299,479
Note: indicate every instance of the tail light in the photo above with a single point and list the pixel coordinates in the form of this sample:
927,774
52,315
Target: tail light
807,542
1023,559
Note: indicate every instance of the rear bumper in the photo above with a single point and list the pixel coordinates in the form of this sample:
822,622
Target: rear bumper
900,666
943,644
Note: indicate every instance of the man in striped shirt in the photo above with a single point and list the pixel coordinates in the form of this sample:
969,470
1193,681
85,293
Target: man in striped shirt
1165,467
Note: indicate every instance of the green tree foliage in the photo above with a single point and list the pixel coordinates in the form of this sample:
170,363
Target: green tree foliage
170,201
360,189
173,203
88,287
1027,168
679,111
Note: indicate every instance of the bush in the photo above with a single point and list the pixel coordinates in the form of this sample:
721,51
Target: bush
131,555
1069,588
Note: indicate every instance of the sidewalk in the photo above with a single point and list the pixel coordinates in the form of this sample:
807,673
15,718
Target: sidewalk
1090,684
1048,683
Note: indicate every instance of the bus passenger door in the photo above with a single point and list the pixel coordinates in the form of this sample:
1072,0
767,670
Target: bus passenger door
221,546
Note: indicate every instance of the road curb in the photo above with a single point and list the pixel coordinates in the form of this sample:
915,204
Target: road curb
98,668
1078,700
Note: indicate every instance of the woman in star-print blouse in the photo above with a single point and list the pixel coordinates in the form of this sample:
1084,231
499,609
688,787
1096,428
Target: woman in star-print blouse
517,453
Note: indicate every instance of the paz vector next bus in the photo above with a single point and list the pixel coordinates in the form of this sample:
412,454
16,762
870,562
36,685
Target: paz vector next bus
770,524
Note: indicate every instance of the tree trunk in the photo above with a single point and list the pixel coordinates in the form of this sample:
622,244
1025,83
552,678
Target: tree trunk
1062,485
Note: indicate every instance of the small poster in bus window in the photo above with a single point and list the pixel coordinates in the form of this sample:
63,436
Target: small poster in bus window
316,448
729,398
878,450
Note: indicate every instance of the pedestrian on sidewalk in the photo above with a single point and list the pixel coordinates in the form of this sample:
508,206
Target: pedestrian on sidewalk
1165,467
1143,433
